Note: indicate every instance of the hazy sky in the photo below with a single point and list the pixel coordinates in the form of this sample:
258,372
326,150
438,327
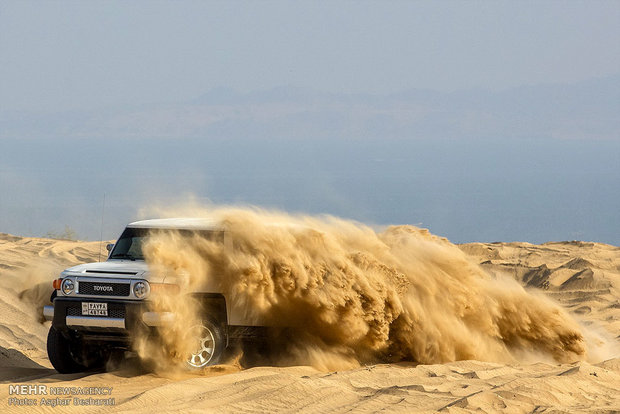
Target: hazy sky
88,54
100,97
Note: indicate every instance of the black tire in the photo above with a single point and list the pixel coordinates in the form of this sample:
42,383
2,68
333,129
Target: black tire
208,336
59,352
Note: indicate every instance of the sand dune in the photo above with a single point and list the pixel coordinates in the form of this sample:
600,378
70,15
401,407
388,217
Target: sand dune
583,277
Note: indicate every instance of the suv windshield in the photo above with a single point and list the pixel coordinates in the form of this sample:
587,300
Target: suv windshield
129,245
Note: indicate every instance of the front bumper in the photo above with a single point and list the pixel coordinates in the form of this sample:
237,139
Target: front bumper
124,315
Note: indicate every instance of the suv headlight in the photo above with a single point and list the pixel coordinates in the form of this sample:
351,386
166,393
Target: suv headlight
141,289
67,286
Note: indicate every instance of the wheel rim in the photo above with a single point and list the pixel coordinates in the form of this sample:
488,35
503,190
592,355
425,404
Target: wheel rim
205,347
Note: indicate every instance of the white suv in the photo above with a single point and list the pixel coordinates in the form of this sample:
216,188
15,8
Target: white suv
98,306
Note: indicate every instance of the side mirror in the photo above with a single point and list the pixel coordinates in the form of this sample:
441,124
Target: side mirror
109,247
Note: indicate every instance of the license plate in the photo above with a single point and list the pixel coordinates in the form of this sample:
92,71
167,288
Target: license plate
94,309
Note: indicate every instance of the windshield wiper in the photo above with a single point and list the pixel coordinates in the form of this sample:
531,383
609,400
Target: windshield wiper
122,256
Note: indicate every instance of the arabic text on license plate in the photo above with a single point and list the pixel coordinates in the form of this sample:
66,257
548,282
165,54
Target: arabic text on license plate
94,309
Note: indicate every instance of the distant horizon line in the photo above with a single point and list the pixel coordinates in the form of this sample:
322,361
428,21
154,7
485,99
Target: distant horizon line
308,91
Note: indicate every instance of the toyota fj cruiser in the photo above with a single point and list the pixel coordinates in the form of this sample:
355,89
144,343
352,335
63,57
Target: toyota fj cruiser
97,307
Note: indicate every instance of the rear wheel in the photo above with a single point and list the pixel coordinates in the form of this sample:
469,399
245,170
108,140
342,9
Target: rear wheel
208,345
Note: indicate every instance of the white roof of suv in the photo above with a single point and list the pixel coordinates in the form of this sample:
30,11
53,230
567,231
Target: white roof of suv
177,223
187,223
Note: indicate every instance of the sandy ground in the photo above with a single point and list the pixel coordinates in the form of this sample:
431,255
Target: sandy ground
583,277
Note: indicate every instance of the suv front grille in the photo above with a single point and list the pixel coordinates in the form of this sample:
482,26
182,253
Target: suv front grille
103,288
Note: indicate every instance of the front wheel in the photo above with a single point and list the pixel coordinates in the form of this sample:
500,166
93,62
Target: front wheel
69,356
208,345
60,351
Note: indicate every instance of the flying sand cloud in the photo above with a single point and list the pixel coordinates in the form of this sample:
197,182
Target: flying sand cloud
354,296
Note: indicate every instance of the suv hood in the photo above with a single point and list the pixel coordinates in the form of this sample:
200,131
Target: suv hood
114,269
